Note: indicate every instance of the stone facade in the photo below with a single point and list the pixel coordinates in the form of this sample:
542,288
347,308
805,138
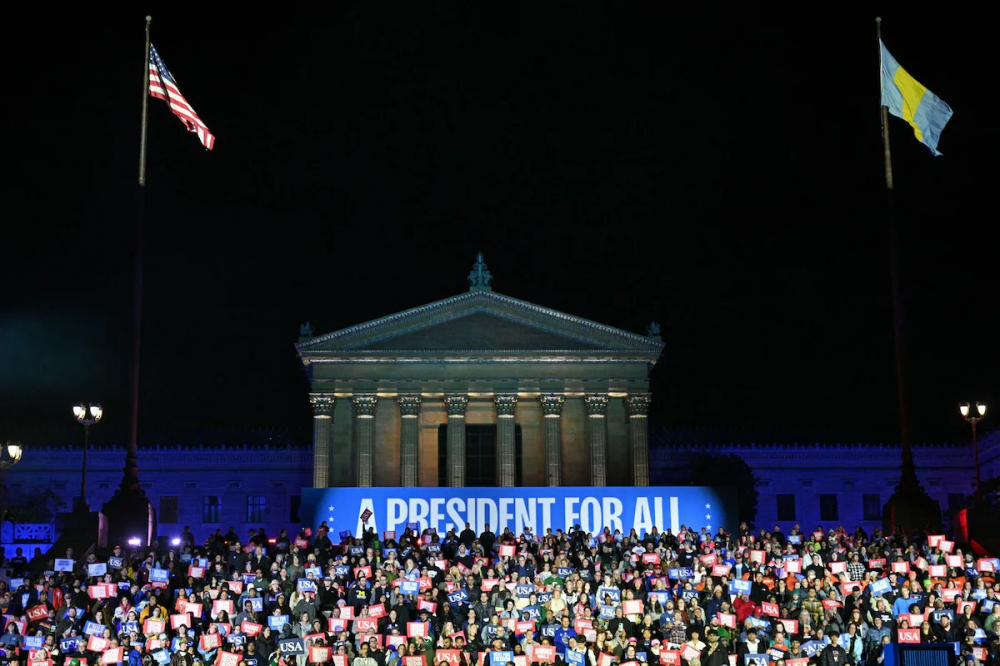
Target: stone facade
569,394
850,482
235,474
251,486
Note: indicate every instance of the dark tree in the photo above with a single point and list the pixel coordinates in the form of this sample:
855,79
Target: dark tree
730,470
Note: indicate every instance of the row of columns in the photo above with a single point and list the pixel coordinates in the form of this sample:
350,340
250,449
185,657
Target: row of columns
409,406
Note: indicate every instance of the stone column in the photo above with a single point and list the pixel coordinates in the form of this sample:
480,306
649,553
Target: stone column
456,439
409,440
552,409
597,437
506,446
638,437
364,429
322,405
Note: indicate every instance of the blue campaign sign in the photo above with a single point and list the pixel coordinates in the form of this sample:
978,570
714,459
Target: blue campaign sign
459,597
161,657
315,571
305,585
342,570
256,604
682,573
740,586
500,657
159,575
641,656
69,645
880,587
574,657
544,597
606,612
613,592
115,562
812,648
33,642
541,508
277,622
549,630
409,587
564,572
523,591
93,628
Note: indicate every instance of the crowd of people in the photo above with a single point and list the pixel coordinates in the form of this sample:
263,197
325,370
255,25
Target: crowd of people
691,598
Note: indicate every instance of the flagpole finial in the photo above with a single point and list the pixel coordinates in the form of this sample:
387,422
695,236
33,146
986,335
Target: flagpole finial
149,19
878,19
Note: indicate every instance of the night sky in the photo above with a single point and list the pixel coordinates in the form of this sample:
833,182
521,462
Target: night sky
720,173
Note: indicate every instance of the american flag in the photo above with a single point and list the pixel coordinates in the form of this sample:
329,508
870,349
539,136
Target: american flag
163,86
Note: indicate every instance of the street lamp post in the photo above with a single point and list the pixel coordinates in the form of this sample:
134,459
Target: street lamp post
86,415
974,419
10,455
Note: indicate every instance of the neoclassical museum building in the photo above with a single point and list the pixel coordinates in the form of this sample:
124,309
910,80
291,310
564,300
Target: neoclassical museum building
483,389
480,389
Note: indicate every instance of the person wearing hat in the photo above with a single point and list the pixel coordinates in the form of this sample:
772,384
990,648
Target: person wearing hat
714,653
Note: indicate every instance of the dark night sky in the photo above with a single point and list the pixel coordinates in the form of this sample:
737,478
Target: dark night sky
719,172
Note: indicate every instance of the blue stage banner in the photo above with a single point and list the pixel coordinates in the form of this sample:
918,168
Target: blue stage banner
541,508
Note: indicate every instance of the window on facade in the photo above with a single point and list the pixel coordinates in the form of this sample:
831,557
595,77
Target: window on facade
211,511
168,509
871,506
255,508
786,507
828,507
480,455
295,509
956,502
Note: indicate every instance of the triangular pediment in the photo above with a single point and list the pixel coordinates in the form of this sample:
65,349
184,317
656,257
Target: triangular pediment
480,321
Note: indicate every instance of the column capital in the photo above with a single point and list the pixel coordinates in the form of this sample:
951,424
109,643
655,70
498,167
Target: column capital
597,405
364,405
638,406
456,405
322,403
552,405
409,406
506,404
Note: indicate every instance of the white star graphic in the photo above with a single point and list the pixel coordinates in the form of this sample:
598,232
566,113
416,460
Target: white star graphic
708,527
708,506
708,516
330,508
330,518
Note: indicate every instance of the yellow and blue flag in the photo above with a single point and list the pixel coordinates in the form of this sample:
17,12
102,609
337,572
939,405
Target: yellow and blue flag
906,98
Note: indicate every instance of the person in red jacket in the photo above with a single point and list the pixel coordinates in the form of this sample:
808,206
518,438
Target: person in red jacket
744,608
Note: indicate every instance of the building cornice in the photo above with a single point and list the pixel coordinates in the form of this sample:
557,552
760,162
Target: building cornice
462,305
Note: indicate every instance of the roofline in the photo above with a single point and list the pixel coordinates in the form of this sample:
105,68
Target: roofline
653,346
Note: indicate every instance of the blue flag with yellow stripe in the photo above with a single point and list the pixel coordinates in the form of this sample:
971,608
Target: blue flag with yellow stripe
906,98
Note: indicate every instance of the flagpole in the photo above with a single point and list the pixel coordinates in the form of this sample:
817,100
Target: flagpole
145,109
131,477
887,154
909,506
